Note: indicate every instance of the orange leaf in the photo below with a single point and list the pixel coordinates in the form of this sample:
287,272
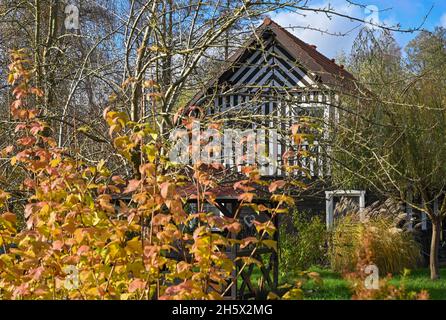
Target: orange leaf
104,113
242,186
161,219
16,104
57,245
167,190
247,197
136,284
276,185
9,216
7,150
37,92
20,127
132,186
295,128
36,127
245,242
118,180
26,141
83,249
234,227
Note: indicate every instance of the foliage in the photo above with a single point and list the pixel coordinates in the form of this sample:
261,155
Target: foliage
375,59
386,290
426,51
297,291
304,246
389,248
362,285
418,280
391,140
82,241
335,287
374,242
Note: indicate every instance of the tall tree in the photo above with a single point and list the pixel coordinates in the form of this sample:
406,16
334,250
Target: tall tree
393,141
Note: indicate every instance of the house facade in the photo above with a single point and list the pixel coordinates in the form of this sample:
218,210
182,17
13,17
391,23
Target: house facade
273,83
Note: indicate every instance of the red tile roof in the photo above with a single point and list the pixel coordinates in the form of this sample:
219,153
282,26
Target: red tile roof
305,51
223,191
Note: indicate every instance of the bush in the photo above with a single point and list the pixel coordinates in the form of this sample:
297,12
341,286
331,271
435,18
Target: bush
304,246
385,290
82,240
389,248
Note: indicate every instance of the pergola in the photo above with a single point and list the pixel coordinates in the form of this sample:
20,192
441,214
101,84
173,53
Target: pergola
227,203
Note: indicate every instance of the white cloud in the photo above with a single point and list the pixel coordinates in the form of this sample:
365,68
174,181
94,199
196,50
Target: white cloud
330,45
443,20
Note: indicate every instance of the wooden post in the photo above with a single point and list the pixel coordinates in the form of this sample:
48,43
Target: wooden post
232,250
233,257
329,209
276,254
361,205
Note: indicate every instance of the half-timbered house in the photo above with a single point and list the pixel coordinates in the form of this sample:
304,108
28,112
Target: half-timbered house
270,83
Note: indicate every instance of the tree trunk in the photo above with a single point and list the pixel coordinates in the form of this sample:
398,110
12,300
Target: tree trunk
435,245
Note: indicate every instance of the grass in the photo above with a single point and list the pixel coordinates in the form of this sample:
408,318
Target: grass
420,279
336,288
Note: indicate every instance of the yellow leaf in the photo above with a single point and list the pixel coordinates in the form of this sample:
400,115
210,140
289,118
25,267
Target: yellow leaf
293,294
100,164
114,248
272,296
54,162
281,198
10,78
78,235
270,244
83,129
93,291
250,260
134,245
150,151
125,296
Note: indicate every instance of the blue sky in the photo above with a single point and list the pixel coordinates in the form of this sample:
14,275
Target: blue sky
409,13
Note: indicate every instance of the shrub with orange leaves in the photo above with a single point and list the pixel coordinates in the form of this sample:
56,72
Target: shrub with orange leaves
80,242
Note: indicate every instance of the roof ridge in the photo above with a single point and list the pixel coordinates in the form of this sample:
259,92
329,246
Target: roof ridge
310,58
309,47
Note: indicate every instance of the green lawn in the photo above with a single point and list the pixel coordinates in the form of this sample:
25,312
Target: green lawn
420,279
336,288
